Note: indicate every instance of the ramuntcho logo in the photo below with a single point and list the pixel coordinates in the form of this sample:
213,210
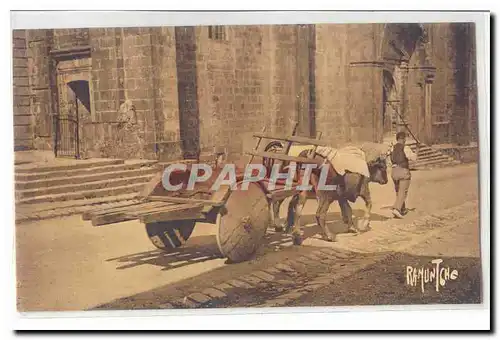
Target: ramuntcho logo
437,274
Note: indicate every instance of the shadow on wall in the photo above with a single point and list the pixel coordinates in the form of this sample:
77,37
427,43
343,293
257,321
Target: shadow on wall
189,116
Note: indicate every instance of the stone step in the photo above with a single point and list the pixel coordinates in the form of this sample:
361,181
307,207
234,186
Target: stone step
422,153
429,157
427,152
87,178
434,156
75,188
37,168
438,165
85,194
421,147
415,144
25,177
435,162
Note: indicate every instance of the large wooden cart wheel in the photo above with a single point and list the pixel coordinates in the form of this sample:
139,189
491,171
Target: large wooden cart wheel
171,234
243,223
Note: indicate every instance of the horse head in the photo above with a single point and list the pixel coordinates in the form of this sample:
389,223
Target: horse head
378,170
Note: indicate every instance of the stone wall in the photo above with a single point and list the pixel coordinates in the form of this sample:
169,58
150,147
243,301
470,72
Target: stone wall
442,89
283,79
69,38
168,134
40,71
134,71
256,77
453,54
167,92
187,87
23,125
104,87
232,80
331,83
461,63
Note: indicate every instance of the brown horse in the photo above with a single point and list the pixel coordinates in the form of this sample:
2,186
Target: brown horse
349,187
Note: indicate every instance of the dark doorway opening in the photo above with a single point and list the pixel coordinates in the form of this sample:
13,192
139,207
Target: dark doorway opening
75,105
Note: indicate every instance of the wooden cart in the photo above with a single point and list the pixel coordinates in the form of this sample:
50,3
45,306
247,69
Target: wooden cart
242,217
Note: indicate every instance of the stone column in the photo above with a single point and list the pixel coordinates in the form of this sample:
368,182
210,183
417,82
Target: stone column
472,127
23,123
39,71
365,101
189,114
429,74
139,83
403,99
303,78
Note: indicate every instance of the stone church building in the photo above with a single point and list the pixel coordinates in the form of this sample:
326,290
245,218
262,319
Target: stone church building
169,92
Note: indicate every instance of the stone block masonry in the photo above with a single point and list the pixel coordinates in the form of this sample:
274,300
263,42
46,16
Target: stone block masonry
168,93
22,111
168,132
187,88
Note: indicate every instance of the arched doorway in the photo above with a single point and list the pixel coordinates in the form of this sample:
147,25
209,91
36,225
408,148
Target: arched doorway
404,56
74,104
72,100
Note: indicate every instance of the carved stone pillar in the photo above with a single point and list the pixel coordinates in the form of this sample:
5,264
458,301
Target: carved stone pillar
429,74
403,95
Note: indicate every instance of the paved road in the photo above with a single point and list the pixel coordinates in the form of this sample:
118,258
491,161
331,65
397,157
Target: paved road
66,264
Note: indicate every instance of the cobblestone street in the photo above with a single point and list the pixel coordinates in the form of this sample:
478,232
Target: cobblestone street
386,282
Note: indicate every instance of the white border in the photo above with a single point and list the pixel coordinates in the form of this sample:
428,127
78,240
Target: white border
365,317
30,20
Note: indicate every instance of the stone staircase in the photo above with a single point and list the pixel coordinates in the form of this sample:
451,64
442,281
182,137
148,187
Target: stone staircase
428,157
80,180
63,187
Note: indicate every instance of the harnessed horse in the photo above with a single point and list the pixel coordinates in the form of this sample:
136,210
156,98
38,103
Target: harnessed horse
350,186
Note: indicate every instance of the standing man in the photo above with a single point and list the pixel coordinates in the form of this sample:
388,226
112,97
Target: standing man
400,157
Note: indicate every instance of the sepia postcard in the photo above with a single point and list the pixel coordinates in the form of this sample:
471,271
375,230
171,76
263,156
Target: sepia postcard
306,164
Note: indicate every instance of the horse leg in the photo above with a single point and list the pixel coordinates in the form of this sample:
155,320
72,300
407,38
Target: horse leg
324,201
290,216
295,209
366,196
346,211
274,212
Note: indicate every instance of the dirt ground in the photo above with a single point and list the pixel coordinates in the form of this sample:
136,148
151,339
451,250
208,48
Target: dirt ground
386,283
66,264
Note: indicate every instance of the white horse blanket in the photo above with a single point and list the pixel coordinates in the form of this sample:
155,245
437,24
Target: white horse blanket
348,158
